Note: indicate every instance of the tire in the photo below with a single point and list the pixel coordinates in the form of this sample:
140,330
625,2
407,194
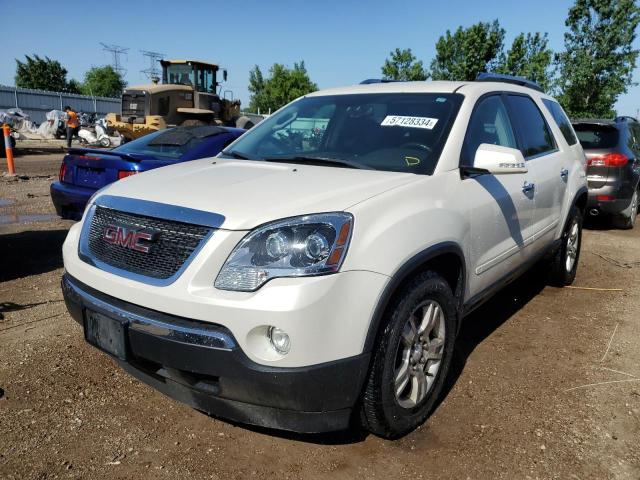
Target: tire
627,218
193,122
398,395
105,142
564,262
244,122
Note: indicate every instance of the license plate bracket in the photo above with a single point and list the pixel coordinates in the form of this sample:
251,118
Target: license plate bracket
106,333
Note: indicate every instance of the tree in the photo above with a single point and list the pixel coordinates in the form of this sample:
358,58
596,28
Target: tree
281,87
41,73
73,86
467,52
529,57
103,82
403,65
256,87
598,61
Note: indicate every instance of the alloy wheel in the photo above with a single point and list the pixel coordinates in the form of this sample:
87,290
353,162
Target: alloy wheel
419,354
572,244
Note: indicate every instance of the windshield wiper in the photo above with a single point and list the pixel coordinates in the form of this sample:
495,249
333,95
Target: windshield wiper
237,154
317,161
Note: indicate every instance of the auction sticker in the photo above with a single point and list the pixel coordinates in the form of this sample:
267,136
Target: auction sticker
411,122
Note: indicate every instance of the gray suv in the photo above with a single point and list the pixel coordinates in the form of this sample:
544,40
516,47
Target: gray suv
612,148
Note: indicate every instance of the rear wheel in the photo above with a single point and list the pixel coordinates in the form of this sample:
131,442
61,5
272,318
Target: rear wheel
627,218
411,359
564,263
244,122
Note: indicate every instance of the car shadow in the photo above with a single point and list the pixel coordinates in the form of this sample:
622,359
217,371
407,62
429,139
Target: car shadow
481,323
30,253
6,307
601,222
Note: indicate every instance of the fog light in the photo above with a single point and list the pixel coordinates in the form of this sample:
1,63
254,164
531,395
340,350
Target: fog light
279,340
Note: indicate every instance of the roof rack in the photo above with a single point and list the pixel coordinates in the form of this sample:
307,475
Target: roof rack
625,118
499,77
377,80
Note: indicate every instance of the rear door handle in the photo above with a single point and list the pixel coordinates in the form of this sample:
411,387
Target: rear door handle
528,187
564,174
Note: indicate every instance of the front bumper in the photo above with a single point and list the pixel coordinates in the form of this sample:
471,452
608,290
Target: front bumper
201,364
70,200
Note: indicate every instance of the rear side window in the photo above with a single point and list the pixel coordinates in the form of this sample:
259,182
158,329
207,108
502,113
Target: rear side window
489,124
595,136
535,137
561,120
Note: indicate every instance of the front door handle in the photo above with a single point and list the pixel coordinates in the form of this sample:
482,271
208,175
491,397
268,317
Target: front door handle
564,174
528,187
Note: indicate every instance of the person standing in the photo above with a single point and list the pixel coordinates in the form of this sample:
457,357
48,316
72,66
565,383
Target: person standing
72,124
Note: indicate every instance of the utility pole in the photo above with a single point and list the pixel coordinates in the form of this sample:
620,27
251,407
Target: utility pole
116,51
153,72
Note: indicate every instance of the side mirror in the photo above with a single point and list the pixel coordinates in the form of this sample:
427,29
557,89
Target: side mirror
499,160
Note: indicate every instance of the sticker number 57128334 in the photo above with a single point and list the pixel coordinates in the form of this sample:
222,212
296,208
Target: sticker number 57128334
411,122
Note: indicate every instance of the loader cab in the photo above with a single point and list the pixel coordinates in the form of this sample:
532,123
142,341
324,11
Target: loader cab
199,75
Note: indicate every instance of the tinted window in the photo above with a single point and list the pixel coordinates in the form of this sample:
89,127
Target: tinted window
401,132
561,120
596,136
533,130
172,143
489,124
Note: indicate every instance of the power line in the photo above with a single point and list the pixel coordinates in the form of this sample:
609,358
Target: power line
153,72
116,51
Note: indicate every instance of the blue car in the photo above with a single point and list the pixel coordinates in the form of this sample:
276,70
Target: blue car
84,171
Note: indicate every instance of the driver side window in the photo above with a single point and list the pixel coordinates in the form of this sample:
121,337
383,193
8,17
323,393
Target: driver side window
489,124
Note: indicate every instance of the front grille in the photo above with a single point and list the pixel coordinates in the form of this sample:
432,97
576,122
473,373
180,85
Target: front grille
171,245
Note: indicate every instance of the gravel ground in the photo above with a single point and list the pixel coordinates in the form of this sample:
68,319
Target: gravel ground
545,384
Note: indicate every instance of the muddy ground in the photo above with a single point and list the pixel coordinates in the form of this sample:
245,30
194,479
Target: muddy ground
546,382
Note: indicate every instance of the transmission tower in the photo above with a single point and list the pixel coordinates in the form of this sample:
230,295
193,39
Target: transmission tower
153,72
116,51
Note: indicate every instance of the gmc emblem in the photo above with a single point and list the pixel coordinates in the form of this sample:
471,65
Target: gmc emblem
127,238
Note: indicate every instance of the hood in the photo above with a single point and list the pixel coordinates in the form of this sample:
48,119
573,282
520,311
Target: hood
249,193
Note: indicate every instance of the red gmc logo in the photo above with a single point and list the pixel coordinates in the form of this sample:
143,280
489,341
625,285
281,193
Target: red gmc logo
127,238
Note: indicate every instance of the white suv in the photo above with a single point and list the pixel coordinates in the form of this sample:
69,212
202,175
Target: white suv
318,269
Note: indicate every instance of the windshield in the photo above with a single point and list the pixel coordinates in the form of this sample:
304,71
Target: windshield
594,136
180,74
170,144
400,132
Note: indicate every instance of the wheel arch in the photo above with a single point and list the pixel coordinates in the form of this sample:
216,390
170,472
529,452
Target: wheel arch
444,258
580,199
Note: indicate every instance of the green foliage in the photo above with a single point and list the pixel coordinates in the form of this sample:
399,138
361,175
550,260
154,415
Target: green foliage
74,86
42,74
529,57
403,65
103,82
598,61
281,87
467,52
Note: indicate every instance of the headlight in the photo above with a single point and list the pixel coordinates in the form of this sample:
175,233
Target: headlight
294,247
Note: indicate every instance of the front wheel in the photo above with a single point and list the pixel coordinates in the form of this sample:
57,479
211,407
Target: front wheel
412,357
564,262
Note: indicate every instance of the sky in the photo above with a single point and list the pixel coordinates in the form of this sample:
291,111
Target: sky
341,42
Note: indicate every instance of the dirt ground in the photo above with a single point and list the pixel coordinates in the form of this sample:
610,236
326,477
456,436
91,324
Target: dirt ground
545,384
